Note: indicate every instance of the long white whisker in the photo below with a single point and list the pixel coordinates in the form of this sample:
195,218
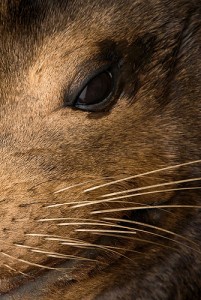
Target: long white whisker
39,235
29,263
65,219
57,238
49,237
134,239
87,223
139,203
142,174
77,185
61,204
110,249
151,227
87,203
17,271
143,207
67,240
78,242
152,186
61,255
133,232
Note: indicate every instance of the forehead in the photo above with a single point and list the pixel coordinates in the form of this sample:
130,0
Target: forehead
40,18
27,26
26,15
35,33
30,22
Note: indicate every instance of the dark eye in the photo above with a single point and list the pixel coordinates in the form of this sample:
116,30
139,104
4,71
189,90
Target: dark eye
95,92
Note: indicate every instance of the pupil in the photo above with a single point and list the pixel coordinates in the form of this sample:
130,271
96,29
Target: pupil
97,89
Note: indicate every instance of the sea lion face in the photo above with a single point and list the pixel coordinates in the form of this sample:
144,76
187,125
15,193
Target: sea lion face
96,99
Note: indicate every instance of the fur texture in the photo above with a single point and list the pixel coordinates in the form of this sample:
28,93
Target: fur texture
49,50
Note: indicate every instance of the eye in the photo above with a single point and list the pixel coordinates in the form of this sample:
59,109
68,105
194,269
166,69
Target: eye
96,92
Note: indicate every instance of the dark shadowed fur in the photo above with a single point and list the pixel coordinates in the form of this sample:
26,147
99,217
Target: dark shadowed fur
61,234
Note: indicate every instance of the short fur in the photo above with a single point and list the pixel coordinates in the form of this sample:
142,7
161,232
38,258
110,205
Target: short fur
48,48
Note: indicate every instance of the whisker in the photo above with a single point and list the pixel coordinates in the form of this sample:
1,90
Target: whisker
77,185
152,186
77,204
115,226
143,207
133,232
38,235
152,227
17,271
70,241
61,255
82,244
58,256
61,204
86,223
64,219
134,239
23,246
49,237
110,249
141,204
29,263
24,261
142,174
87,203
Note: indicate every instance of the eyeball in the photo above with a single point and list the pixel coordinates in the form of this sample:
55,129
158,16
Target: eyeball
95,92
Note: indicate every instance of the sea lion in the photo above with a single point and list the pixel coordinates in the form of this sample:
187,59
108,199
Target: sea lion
100,149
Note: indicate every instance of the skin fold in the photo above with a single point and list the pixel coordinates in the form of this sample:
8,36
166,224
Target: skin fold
63,161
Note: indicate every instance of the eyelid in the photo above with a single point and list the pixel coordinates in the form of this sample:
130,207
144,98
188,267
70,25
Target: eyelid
89,70
90,77
99,106
73,91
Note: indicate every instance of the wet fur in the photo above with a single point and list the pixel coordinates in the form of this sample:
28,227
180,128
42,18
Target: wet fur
47,49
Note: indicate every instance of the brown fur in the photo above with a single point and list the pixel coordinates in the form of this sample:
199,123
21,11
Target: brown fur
48,48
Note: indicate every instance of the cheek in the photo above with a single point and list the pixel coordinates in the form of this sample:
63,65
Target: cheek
81,144
73,141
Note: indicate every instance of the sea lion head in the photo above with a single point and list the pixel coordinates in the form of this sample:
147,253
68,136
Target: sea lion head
100,149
